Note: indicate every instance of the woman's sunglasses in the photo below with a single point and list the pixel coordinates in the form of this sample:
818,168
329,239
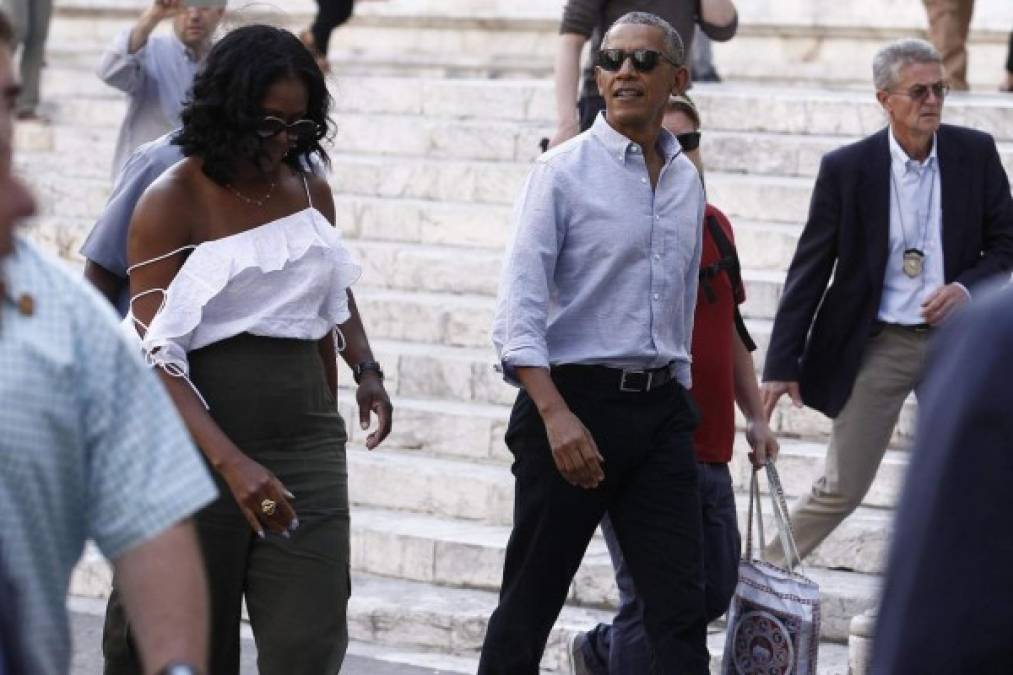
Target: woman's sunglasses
689,141
302,131
644,60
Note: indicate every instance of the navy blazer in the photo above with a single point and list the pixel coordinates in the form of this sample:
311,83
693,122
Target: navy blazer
820,332
947,605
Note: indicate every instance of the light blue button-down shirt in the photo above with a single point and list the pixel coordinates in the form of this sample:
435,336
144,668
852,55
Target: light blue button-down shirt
916,221
157,78
91,445
602,268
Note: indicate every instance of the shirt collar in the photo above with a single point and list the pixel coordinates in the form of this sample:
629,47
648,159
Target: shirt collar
187,53
620,146
903,161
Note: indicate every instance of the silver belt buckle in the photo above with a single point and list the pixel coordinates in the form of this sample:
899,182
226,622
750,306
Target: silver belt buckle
627,372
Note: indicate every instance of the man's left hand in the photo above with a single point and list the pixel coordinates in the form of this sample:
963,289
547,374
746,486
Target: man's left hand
763,442
372,397
938,307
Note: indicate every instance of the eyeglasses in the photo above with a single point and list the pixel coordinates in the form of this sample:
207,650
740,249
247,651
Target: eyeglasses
689,141
303,131
920,92
644,60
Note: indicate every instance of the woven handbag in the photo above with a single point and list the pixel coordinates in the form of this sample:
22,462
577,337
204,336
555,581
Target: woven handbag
774,618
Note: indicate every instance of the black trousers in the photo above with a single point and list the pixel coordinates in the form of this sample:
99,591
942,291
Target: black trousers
650,494
330,15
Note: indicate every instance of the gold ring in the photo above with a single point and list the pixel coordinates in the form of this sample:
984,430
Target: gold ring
268,507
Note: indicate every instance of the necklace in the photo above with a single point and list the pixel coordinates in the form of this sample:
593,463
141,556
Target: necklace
252,201
914,256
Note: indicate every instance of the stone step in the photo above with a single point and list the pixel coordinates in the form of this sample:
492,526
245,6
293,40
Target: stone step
396,612
441,387
78,94
485,493
456,553
421,624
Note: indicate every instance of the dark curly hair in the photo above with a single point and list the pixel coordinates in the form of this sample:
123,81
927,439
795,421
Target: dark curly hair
223,108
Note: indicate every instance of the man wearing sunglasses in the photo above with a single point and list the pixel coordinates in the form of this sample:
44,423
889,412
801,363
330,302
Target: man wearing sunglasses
909,222
594,319
723,373
156,72
586,20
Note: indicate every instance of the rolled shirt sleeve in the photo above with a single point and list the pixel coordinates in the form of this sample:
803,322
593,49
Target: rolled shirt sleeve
581,17
144,472
121,69
717,32
526,286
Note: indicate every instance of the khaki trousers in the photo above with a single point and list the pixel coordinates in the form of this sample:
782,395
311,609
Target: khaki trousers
949,21
891,369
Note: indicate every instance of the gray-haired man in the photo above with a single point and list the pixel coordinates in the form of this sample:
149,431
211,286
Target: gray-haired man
910,221
594,320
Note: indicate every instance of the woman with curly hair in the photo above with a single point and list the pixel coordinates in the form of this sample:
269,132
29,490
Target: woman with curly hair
238,281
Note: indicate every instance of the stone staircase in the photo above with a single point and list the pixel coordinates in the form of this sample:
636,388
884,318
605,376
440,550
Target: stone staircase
440,106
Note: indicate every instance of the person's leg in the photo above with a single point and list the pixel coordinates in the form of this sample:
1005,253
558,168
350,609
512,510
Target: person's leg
703,58
33,54
553,524
629,650
656,516
297,595
722,545
948,25
861,432
330,15
588,108
1007,84
19,12
225,539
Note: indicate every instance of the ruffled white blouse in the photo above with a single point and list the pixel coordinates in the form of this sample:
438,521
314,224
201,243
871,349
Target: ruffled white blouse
287,278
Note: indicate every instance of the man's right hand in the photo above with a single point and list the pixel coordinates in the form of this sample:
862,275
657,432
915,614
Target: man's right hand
164,9
773,391
573,450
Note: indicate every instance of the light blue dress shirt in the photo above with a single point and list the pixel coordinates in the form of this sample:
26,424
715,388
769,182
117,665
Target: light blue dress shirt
157,78
602,268
916,221
91,446
106,244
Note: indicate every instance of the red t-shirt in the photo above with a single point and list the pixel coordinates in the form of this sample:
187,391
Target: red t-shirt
713,326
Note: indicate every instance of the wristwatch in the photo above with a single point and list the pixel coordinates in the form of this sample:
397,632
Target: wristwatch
178,669
362,367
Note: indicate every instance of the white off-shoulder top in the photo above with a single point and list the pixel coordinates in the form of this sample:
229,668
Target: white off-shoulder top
287,278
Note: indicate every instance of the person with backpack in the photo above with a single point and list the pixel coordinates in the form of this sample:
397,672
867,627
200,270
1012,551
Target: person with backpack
723,374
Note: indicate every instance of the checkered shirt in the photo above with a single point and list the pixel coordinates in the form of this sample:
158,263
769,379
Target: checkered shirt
90,445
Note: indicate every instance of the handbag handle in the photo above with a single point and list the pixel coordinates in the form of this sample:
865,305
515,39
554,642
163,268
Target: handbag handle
781,518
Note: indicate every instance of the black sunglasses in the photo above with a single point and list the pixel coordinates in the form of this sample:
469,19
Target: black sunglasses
644,60
303,131
689,141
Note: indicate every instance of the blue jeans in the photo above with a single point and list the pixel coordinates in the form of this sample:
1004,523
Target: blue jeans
622,648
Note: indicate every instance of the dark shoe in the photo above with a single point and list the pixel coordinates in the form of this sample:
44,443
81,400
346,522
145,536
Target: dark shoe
578,666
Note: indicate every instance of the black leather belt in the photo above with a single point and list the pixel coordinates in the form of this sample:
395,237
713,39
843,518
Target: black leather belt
911,327
629,379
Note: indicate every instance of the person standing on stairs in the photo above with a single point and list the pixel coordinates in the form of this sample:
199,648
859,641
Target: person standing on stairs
31,28
238,281
909,221
578,101
330,15
156,72
723,374
593,321
949,24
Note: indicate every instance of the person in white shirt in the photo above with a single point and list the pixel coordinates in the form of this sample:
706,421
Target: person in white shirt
156,72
